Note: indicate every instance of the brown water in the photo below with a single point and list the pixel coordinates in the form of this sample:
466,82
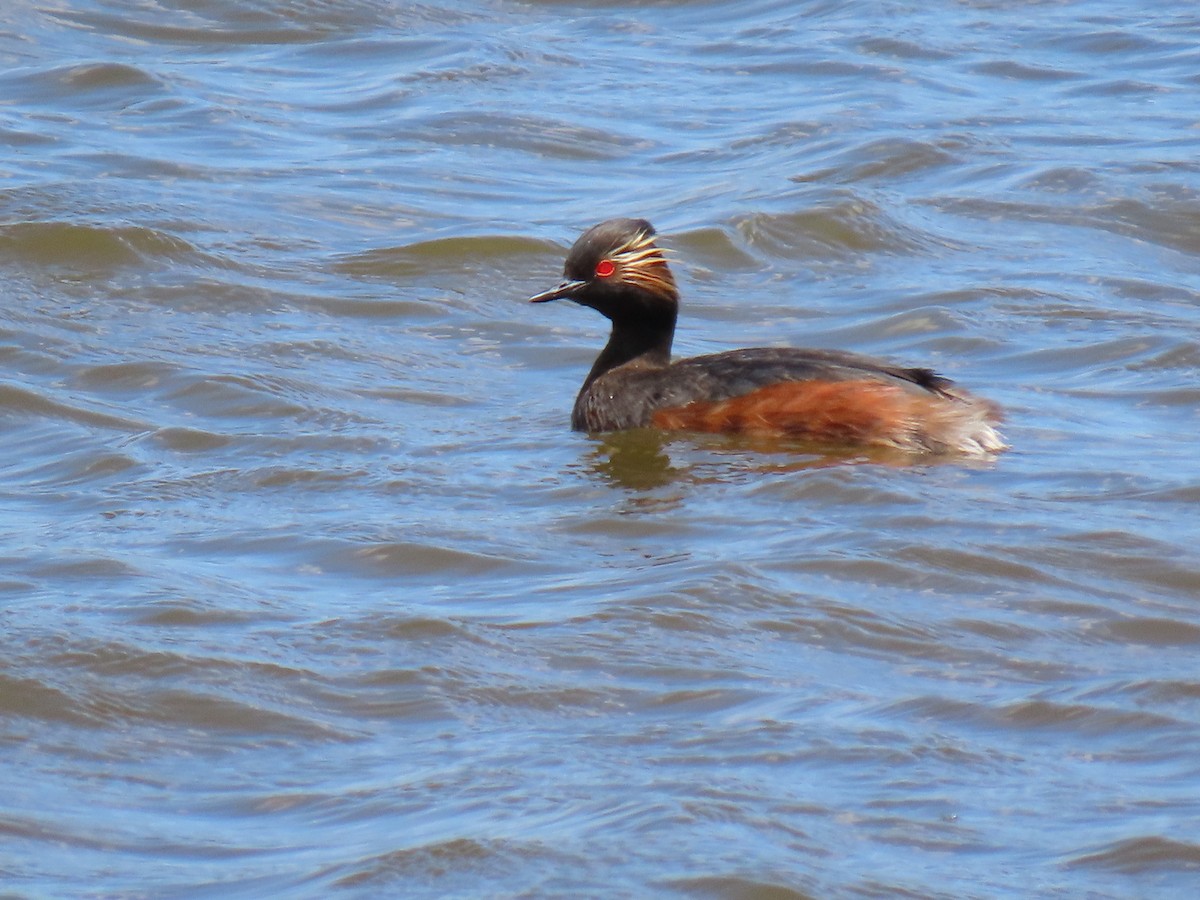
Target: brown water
308,590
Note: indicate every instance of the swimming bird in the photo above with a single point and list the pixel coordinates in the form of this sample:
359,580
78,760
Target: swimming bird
827,397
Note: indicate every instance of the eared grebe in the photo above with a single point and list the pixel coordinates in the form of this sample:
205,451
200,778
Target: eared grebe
824,396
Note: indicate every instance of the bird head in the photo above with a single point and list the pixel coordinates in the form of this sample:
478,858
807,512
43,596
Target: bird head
616,268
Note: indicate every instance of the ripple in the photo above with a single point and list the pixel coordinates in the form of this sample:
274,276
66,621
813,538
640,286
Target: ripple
237,397
898,48
103,75
715,249
453,862
542,137
886,159
76,246
1172,221
252,24
1062,180
1111,42
1152,853
191,440
190,612
1119,87
215,713
101,84
398,558
1155,632
132,377
735,887
1038,715
1082,718
442,255
1019,71
845,225
29,698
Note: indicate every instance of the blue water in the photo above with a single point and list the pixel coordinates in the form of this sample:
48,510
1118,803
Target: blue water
307,588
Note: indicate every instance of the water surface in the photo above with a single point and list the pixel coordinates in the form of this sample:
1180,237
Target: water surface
308,589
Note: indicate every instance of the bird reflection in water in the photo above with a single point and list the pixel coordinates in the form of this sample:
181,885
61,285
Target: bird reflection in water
640,459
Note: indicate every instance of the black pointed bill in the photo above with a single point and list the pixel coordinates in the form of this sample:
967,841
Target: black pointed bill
566,289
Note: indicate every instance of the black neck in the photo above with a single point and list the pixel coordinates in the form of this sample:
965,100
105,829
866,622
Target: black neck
646,338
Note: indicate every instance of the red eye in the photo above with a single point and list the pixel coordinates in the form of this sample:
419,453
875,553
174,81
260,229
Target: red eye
605,268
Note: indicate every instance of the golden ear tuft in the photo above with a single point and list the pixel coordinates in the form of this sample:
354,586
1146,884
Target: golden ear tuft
643,263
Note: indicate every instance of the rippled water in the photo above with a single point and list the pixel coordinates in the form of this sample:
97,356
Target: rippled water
309,590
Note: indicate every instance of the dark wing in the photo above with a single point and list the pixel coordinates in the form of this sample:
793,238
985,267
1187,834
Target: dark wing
720,376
